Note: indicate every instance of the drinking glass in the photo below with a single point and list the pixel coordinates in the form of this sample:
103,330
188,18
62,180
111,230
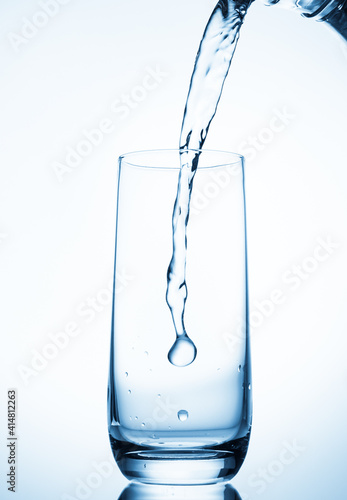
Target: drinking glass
180,424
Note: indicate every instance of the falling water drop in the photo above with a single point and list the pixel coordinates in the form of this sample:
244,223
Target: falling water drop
182,415
183,351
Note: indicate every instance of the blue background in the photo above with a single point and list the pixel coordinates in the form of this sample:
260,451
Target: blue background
57,229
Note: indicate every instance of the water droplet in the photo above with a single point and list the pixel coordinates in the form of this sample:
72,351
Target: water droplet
129,391
249,387
146,353
153,436
144,466
150,370
143,424
130,417
218,369
159,395
183,351
126,374
136,418
182,415
169,427
239,369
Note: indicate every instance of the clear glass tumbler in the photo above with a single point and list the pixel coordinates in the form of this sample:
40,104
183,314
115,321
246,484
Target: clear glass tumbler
172,424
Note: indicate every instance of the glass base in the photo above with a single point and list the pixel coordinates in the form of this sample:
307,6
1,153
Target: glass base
183,467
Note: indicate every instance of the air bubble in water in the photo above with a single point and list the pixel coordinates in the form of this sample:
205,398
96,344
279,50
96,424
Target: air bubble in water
249,387
239,369
143,424
183,351
129,391
126,374
182,415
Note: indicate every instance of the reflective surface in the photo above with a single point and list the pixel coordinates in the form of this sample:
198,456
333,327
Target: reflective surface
149,492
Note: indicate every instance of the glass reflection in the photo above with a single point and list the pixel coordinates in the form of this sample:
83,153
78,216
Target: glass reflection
136,491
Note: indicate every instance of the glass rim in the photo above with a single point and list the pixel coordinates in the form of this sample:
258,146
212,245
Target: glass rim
236,158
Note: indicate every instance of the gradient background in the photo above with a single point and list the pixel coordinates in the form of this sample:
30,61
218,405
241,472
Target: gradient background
57,238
